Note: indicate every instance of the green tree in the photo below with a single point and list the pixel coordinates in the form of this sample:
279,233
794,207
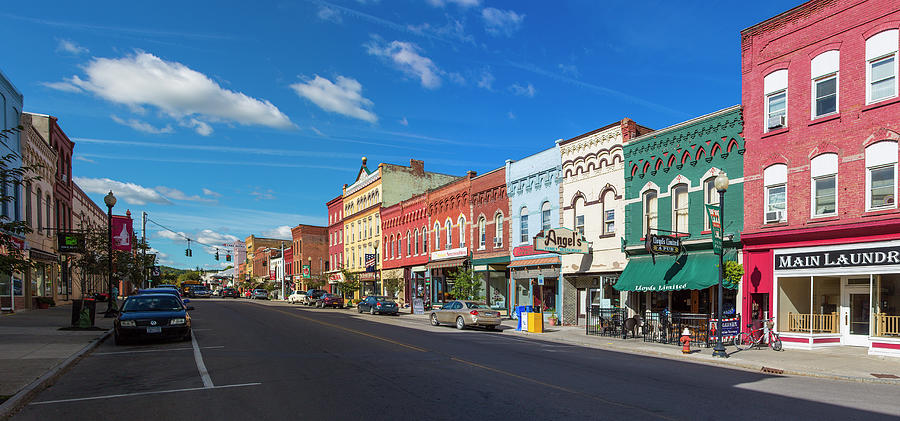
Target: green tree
12,177
466,285
392,286
349,285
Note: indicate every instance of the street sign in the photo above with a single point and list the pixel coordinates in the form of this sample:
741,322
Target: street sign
541,279
715,225
69,242
154,271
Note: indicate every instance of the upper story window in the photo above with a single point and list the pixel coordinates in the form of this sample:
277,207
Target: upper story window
775,182
399,241
881,66
680,208
448,228
377,224
462,231
710,197
823,170
545,216
881,175
416,240
481,233
824,71
498,229
775,86
578,211
437,236
650,210
408,248
609,213
390,248
425,239
523,225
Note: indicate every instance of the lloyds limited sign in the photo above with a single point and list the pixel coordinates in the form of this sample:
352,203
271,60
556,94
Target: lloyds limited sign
880,256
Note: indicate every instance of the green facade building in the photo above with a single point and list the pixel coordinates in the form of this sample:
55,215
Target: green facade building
669,180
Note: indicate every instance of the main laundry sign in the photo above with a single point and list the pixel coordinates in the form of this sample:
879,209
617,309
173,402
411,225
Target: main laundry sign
562,241
881,256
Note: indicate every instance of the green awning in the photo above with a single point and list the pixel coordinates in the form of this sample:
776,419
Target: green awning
697,270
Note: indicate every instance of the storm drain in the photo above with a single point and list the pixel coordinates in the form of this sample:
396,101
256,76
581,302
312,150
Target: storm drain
885,376
771,370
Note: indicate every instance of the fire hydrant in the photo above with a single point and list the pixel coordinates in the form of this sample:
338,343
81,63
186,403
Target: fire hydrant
686,341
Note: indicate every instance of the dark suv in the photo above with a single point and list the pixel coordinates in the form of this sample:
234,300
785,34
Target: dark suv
313,295
229,292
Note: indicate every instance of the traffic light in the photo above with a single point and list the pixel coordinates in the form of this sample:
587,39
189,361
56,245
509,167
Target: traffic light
188,253
228,257
217,254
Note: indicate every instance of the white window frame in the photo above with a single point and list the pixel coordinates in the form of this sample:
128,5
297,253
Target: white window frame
416,241
437,236
823,67
461,225
448,227
576,226
710,197
774,176
498,229
686,209
425,240
408,251
482,233
546,223
775,83
645,201
821,167
880,155
880,47
837,90
523,225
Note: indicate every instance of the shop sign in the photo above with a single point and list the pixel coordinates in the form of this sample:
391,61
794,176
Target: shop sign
878,256
715,226
336,277
367,276
663,244
69,242
561,241
418,306
730,327
525,251
449,254
656,288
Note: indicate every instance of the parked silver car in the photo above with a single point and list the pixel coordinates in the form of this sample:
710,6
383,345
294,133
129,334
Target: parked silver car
466,313
259,294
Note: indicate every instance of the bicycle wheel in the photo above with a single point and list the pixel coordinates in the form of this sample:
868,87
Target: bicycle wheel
776,342
743,341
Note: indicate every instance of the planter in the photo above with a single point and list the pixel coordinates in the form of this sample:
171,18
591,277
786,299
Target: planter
43,306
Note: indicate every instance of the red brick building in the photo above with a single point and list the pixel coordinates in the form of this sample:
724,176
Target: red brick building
821,224
449,219
335,241
310,247
490,236
405,251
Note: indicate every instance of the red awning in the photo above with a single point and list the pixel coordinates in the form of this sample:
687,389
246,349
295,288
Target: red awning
544,261
449,263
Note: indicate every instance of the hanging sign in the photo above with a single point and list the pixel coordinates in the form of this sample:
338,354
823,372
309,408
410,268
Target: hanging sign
561,241
69,242
715,225
540,279
121,233
663,244
305,271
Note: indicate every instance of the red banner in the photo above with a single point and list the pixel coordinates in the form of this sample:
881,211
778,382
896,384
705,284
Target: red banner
122,232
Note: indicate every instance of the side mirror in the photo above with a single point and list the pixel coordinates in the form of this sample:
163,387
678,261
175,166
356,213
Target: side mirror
189,308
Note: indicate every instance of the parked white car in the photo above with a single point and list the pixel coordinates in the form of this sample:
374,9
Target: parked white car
297,297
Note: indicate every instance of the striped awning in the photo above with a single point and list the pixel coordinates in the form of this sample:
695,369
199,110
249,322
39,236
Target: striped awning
543,261
449,263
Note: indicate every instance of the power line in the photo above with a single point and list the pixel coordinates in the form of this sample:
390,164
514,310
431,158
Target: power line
189,239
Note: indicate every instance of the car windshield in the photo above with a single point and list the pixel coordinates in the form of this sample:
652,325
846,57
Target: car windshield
152,303
475,305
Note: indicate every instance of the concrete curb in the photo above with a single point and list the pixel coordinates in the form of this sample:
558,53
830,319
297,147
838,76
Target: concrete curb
20,399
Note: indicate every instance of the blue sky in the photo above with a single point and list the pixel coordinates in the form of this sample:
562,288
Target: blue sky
224,118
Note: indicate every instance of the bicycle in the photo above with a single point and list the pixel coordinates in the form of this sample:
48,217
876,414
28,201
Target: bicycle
757,337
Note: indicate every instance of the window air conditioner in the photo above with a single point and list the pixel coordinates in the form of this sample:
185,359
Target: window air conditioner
774,216
777,121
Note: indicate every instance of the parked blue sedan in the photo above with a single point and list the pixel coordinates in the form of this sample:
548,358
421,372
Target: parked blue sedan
152,316
376,304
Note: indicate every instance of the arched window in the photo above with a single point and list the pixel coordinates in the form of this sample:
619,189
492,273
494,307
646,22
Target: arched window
49,216
775,182
391,248
545,216
680,208
448,228
881,66
578,213
28,205
399,240
823,170
824,71
650,210
710,197
609,212
38,197
498,230
481,233
462,231
881,175
416,239
425,240
437,236
775,85
408,241
523,225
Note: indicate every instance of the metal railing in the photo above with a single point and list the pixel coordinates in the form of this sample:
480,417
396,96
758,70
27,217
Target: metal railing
608,321
816,323
887,325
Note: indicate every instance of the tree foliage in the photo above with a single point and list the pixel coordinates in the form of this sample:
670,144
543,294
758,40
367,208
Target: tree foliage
12,177
392,286
466,285
349,285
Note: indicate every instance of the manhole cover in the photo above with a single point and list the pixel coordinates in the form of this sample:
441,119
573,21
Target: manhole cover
885,376
771,370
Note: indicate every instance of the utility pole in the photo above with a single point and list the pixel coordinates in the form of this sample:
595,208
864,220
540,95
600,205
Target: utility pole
144,249
282,270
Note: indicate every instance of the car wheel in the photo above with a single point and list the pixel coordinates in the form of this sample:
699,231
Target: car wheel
460,323
118,340
187,337
359,309
434,320
372,310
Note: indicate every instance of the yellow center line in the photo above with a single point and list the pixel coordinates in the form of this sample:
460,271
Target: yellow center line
358,332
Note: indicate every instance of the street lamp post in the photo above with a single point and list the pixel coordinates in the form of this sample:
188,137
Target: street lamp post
721,184
309,265
110,201
376,269
282,270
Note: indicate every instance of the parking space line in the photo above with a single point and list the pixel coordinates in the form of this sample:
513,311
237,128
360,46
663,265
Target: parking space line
155,392
155,350
204,373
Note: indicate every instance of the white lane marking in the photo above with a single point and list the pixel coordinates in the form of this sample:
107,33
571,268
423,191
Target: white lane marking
156,392
155,350
204,373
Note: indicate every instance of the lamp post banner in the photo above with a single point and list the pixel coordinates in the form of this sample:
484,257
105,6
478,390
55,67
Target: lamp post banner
122,233
715,225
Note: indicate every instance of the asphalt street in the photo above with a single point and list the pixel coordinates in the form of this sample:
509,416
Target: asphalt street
267,360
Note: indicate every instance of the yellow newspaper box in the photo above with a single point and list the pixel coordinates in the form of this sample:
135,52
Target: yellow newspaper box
534,322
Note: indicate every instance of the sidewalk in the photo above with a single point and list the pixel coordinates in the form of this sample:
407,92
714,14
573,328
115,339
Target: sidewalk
33,346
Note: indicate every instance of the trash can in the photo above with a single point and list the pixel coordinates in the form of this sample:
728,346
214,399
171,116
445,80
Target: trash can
91,305
76,311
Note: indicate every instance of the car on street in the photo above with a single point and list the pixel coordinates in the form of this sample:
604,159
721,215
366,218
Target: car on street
230,292
330,300
159,290
200,292
313,295
464,313
297,297
377,304
152,316
259,294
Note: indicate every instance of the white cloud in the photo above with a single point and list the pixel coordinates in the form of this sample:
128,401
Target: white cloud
209,192
129,192
527,90
70,47
405,55
282,232
169,235
344,97
569,69
81,158
486,80
330,14
404,121
201,127
179,195
142,126
317,131
460,3
62,86
510,115
263,195
208,236
188,96
456,78
454,29
501,22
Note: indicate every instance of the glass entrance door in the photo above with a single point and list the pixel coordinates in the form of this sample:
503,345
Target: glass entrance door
859,314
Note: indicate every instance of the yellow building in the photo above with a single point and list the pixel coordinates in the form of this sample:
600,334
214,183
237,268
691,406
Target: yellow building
253,243
385,186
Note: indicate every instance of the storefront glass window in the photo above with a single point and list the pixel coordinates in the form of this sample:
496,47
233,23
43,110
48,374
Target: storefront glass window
886,305
826,300
793,300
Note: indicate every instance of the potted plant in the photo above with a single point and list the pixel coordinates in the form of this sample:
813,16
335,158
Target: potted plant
554,321
44,302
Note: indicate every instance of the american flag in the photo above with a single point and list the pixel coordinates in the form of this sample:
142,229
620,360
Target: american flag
370,263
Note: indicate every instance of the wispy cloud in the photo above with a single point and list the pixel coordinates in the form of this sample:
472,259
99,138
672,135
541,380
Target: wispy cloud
404,121
344,97
501,22
329,14
81,158
260,194
526,90
176,194
190,97
62,86
486,80
406,57
460,3
209,192
142,126
569,69
106,29
129,192
510,115
282,232
453,29
373,19
70,47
